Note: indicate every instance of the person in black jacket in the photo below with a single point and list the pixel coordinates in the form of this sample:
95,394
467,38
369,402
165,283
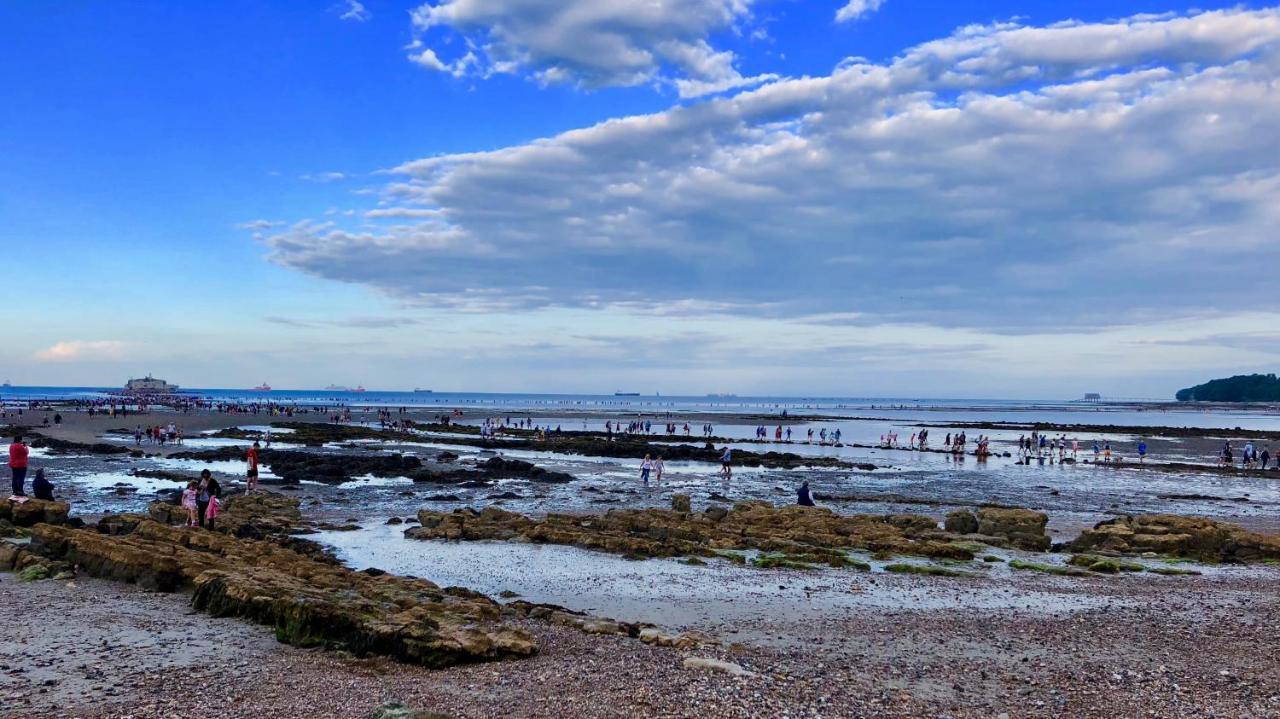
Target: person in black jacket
41,487
802,496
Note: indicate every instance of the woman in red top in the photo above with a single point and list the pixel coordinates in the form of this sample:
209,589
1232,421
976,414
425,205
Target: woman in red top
18,465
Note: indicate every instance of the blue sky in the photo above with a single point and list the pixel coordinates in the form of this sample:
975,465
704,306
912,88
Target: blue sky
1022,199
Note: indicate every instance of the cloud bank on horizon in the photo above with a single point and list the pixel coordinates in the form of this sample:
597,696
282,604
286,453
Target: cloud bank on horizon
1004,177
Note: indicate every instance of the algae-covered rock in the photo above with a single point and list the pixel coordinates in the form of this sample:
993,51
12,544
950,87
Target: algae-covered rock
33,511
1047,568
932,570
34,573
1175,535
1105,565
308,600
961,521
1024,528
814,535
680,503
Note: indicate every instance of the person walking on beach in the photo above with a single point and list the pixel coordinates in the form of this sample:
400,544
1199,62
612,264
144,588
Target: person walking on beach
1265,456
251,474
1142,450
657,468
645,468
803,497
726,463
18,465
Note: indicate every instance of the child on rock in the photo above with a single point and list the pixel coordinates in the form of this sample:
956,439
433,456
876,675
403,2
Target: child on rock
189,504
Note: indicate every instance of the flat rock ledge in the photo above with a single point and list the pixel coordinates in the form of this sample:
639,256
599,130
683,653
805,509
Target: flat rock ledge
307,598
804,534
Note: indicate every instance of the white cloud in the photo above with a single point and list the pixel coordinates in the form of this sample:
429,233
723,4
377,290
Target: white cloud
71,350
323,176
856,9
355,11
1006,176
586,42
259,225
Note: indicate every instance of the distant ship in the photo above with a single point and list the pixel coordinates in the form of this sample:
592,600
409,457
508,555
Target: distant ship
419,390
341,388
721,396
626,394
6,384
148,385
264,387
358,388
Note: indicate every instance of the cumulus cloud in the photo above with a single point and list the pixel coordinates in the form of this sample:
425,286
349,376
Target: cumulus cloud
856,9
1078,174
70,350
585,42
354,11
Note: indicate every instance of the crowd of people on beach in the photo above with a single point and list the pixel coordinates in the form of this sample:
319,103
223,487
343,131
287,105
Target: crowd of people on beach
157,435
1250,457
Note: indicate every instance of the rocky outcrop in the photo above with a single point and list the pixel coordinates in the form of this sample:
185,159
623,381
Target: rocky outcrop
33,511
63,446
803,534
1169,534
293,466
307,601
1024,528
961,521
489,470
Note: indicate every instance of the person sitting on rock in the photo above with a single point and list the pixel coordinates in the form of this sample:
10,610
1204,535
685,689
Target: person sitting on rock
802,495
41,487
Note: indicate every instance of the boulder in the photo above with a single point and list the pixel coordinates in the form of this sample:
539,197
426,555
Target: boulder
1175,535
1024,528
961,521
680,503
33,511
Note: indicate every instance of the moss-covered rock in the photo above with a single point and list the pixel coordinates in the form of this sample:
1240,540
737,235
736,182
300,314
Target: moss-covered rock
961,521
308,600
33,511
811,535
1024,528
932,570
1193,537
1057,569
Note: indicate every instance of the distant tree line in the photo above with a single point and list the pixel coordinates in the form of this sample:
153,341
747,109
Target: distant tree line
1241,388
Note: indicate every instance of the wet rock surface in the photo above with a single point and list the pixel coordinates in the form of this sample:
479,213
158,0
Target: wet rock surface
294,466
803,534
33,511
1174,535
308,601
489,470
